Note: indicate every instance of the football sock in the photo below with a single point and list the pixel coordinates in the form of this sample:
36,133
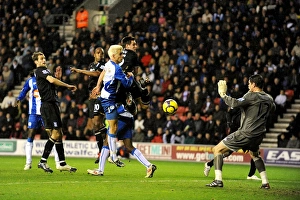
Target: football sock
103,156
28,152
56,158
61,153
260,166
259,163
47,150
140,157
112,143
263,176
211,163
252,168
99,140
218,167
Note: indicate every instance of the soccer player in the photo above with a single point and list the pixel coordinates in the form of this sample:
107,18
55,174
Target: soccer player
130,64
35,121
125,133
256,106
96,113
233,121
112,77
46,83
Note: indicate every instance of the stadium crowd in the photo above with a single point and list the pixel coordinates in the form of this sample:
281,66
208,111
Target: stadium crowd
185,47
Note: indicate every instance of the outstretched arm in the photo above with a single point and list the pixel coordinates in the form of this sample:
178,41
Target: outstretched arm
96,90
86,72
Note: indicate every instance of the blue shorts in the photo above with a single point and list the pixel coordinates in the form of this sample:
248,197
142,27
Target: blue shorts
110,109
111,112
35,122
125,128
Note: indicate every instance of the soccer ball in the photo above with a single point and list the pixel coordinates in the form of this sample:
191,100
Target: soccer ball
170,106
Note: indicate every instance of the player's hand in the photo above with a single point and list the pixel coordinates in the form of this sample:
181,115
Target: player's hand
95,91
18,103
73,70
222,88
129,74
93,96
73,88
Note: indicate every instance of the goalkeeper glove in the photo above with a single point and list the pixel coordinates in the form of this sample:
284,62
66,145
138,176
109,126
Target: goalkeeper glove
222,88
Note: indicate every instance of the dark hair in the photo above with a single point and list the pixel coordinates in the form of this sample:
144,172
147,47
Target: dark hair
36,55
126,40
258,80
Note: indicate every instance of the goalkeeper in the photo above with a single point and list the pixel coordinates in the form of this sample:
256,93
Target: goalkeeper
233,122
255,106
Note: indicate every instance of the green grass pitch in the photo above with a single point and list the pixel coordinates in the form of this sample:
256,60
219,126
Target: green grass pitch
172,180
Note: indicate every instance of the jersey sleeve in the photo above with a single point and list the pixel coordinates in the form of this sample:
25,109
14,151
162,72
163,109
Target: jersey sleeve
240,102
24,91
126,82
43,73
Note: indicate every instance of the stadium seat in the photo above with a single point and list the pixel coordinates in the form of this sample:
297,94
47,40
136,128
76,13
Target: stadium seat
161,99
181,110
217,101
289,94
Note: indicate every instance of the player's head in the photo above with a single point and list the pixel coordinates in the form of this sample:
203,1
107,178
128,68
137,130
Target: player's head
256,81
128,42
115,53
39,59
98,54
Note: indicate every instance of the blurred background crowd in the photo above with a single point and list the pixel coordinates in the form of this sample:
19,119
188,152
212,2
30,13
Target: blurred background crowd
185,47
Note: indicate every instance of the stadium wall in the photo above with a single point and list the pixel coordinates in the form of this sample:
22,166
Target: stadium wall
158,151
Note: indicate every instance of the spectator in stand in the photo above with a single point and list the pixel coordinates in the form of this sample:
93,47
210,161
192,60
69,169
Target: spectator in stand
139,135
179,137
82,17
4,132
8,76
158,137
219,114
293,142
207,107
168,137
81,121
209,124
8,101
149,136
189,124
280,101
190,139
149,122
139,122
282,140
3,87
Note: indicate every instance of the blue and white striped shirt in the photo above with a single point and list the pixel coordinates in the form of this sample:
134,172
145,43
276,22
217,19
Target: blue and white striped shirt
111,81
34,96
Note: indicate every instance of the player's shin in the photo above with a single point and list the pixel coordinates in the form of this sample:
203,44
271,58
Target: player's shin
140,157
260,166
48,148
218,167
61,153
112,143
103,156
28,150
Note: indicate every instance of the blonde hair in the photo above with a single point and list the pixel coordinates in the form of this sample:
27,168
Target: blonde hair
113,49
